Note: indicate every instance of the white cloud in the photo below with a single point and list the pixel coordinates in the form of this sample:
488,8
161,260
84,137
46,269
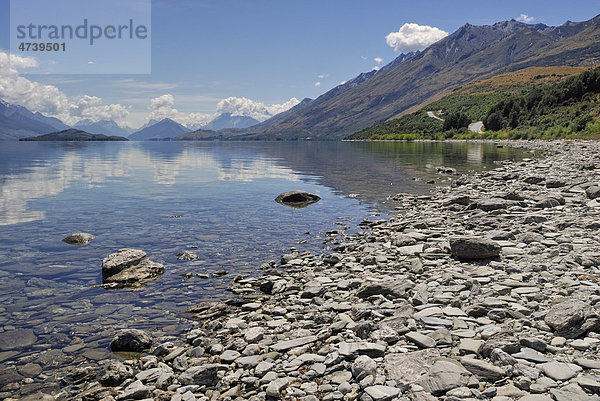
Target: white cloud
364,57
378,60
321,76
525,18
48,99
317,84
376,68
411,37
90,62
241,106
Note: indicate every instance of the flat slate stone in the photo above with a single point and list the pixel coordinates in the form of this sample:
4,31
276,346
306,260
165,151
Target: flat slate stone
382,393
421,340
410,366
16,339
296,342
361,348
531,355
557,370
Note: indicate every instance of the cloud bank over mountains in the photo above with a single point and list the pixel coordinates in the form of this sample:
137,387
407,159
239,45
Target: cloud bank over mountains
51,101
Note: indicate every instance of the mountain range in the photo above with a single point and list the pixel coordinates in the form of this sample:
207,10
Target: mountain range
409,82
469,54
17,122
104,127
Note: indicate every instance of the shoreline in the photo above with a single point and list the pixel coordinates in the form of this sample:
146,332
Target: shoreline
390,314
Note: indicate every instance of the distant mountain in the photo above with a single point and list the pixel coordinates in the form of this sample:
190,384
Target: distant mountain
17,122
105,127
226,120
469,54
165,128
73,134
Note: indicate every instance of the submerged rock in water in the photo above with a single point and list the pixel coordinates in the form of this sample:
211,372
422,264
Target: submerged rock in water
132,340
297,199
79,239
129,267
16,339
187,255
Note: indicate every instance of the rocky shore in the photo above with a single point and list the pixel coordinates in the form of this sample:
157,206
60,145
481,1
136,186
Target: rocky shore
487,289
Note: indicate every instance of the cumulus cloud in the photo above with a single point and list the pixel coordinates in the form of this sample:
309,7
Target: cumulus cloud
241,106
378,60
411,37
317,84
321,76
525,18
48,99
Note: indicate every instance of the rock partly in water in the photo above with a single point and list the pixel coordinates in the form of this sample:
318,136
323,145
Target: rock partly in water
79,239
131,340
297,199
187,255
129,267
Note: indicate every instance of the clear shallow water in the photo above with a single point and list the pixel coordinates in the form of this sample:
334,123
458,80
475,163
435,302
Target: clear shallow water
125,193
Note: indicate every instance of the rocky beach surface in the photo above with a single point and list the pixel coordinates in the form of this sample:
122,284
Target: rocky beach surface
486,289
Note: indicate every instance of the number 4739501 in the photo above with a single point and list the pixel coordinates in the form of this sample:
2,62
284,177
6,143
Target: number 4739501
42,47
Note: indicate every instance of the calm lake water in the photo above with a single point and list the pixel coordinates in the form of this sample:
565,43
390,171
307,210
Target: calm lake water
126,194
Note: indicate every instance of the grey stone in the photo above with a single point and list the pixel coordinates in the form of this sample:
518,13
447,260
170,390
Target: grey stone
297,199
444,375
355,349
135,391
296,342
79,239
382,393
132,340
394,289
571,318
115,373
13,339
276,386
254,334
410,366
129,267
248,362
421,340
229,356
504,340
550,201
362,367
187,255
482,369
473,248
557,370
204,375
593,192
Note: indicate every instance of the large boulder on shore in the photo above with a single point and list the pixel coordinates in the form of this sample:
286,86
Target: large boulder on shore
129,267
570,318
297,199
474,248
131,340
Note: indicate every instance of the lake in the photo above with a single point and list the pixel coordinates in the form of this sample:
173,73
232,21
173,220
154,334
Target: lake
213,198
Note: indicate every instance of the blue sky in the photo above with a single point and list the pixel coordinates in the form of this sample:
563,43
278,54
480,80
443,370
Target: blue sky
271,51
